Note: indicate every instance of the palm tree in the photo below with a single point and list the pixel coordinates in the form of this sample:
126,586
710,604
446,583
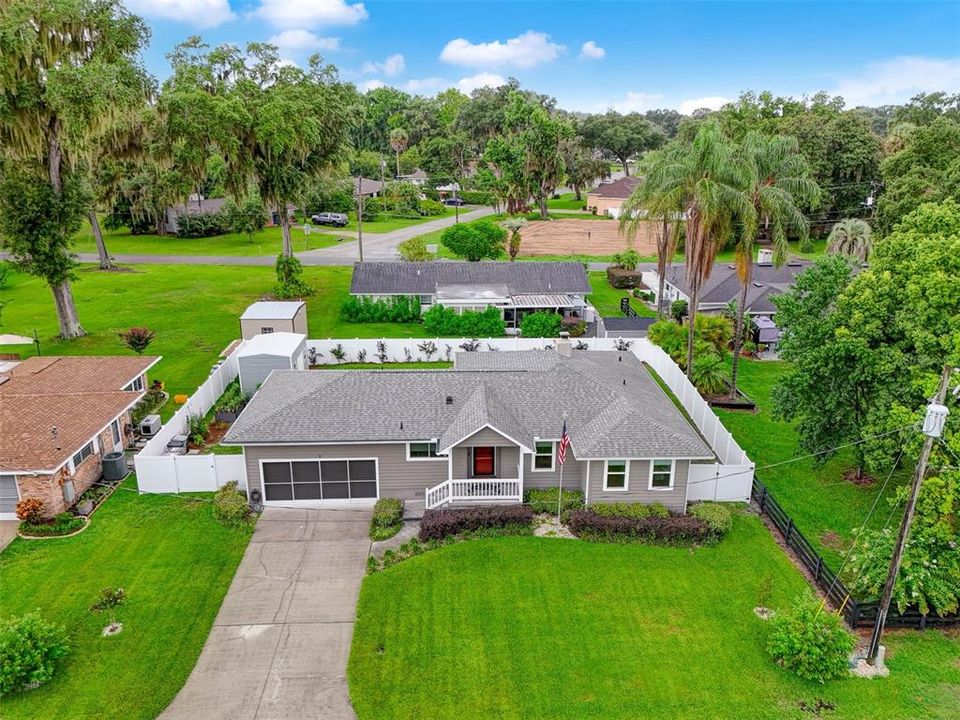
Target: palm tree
851,237
778,181
398,141
705,181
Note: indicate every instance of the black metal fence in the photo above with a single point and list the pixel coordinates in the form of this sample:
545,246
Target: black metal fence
856,613
626,308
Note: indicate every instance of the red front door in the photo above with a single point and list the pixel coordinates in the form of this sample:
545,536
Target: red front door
483,461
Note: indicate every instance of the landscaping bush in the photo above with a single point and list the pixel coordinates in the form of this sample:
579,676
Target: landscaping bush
430,207
477,197
138,338
624,279
387,518
718,516
30,510
438,524
230,506
545,501
290,282
674,530
399,308
414,250
630,510
233,400
575,327
480,240
678,310
63,524
197,428
441,321
810,640
540,324
30,648
201,225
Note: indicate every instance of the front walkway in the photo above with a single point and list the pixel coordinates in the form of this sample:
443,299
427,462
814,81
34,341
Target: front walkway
280,644
8,531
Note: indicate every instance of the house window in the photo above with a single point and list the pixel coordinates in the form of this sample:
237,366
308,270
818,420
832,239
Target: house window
136,385
266,330
423,451
426,299
661,474
615,476
543,457
84,452
115,431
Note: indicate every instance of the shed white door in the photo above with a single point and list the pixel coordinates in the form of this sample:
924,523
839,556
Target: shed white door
9,497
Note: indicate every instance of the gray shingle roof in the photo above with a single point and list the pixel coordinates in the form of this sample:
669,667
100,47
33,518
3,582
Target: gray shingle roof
403,278
614,407
723,285
621,188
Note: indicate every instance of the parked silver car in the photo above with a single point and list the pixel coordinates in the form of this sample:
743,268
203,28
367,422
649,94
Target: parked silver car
337,219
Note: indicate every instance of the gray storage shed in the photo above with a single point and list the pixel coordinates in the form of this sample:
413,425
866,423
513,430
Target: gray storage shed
261,355
274,316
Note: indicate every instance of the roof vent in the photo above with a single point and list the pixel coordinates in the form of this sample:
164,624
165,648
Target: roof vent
401,424
624,382
619,358
449,399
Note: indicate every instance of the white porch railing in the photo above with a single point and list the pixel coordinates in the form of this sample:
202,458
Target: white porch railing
475,489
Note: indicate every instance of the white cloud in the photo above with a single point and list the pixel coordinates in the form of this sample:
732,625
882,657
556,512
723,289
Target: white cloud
468,84
898,79
299,40
524,51
297,13
393,65
591,51
199,13
425,86
712,102
369,85
636,102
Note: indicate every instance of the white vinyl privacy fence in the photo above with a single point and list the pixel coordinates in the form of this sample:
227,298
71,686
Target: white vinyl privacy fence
160,473
730,478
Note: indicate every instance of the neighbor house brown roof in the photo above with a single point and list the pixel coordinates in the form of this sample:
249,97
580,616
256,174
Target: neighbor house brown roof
79,396
621,188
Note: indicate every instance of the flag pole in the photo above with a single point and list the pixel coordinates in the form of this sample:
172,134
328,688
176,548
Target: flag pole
561,457
560,493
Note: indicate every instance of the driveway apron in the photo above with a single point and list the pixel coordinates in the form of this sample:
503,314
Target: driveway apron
280,643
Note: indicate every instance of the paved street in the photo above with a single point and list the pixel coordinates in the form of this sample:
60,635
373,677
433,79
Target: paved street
280,644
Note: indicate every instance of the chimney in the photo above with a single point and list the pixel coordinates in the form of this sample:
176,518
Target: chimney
764,256
564,348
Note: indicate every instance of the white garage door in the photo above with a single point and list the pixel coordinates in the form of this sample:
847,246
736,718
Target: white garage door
9,497
320,482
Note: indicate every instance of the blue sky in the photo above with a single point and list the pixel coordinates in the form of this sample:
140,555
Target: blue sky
595,55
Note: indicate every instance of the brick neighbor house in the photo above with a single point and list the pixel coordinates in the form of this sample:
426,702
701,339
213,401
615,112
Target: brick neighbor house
58,415
608,197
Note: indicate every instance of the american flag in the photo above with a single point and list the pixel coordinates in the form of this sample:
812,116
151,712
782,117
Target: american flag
564,443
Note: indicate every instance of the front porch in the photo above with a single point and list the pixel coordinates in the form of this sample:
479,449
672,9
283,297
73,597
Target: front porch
473,491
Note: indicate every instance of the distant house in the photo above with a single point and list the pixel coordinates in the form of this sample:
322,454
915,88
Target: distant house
202,206
515,288
270,316
58,417
485,431
367,187
608,197
418,177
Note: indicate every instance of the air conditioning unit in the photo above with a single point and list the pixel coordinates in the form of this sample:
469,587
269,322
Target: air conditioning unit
764,256
150,426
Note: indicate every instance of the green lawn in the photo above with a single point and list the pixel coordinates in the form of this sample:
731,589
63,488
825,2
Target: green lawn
606,298
568,201
175,562
824,506
524,627
193,309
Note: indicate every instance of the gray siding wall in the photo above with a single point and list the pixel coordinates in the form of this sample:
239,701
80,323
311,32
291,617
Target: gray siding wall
638,483
300,320
399,477
507,461
573,471
486,437
249,328
255,368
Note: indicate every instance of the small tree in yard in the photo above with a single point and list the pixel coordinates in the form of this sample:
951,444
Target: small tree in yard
247,217
108,601
514,225
810,640
138,339
678,310
290,282
540,324
230,506
30,648
481,240
414,250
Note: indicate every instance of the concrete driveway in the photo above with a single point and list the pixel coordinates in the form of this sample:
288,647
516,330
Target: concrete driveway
280,643
8,531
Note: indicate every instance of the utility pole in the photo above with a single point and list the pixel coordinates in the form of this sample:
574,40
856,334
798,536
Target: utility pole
360,215
931,430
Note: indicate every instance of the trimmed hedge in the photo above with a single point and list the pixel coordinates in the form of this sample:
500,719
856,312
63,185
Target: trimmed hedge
675,530
477,197
438,524
387,518
630,510
202,225
399,308
717,515
545,501
624,279
440,321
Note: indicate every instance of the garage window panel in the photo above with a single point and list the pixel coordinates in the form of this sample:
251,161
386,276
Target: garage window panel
306,480
277,481
363,479
334,479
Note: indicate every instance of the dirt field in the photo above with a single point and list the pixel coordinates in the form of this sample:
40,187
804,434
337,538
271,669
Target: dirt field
581,237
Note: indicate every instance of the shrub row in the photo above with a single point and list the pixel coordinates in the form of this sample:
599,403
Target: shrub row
545,501
440,321
717,515
477,197
399,308
201,225
387,518
675,530
438,524
630,510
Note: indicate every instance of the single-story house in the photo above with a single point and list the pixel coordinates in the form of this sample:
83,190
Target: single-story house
418,177
262,354
58,416
486,430
367,187
197,205
267,316
516,288
608,197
